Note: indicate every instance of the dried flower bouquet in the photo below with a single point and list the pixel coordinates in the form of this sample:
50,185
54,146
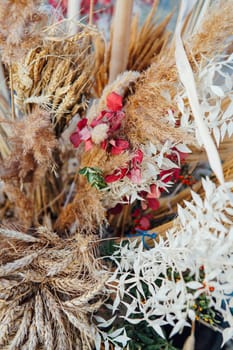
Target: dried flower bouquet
92,151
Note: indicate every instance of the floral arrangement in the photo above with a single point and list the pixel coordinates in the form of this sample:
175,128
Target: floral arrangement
112,236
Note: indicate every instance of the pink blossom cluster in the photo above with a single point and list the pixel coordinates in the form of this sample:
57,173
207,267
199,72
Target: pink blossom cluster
103,130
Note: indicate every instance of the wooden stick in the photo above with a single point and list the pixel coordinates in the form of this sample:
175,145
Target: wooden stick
73,13
91,11
3,86
121,38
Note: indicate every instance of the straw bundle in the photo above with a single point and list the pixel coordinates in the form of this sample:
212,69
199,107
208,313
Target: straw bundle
57,75
49,289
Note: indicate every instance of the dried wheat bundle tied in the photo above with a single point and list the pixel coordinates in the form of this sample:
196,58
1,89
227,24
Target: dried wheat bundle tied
49,289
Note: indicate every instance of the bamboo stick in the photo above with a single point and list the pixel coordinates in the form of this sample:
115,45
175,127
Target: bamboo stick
121,37
73,13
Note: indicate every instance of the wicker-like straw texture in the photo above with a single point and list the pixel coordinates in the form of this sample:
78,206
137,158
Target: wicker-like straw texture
49,287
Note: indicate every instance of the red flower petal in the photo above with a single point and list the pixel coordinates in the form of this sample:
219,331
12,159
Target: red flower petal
88,144
82,123
104,144
114,102
117,175
119,146
172,175
98,119
75,139
85,134
116,210
144,223
153,203
115,120
136,213
138,157
154,192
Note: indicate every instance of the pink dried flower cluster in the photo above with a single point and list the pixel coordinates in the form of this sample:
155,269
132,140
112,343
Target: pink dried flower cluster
102,129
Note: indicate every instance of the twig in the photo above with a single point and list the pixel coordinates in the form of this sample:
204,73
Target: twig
12,94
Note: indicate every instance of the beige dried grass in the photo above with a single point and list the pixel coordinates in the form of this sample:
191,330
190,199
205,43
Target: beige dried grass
28,169
85,212
57,75
43,307
21,24
147,108
212,35
145,44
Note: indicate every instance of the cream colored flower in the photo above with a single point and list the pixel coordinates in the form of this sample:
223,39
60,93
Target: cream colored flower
99,133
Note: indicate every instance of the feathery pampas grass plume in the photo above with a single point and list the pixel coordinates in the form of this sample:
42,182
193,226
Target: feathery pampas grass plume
49,288
214,33
29,161
156,90
21,22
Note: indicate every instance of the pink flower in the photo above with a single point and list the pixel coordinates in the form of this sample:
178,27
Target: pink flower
114,115
118,146
114,102
137,159
170,175
117,175
151,199
82,134
144,223
115,119
135,173
141,220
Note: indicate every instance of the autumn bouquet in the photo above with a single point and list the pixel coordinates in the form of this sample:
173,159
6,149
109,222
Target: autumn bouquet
116,202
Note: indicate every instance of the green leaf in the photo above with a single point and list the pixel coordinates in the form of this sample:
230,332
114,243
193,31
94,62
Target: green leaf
146,340
94,177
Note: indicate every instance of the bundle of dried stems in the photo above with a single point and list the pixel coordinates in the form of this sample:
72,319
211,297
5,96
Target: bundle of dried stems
50,282
49,289
145,43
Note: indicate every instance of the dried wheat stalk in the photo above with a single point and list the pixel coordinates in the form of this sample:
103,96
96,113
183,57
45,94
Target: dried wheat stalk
49,288
57,76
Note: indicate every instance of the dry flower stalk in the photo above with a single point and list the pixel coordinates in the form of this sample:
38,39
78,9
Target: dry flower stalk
48,291
145,44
